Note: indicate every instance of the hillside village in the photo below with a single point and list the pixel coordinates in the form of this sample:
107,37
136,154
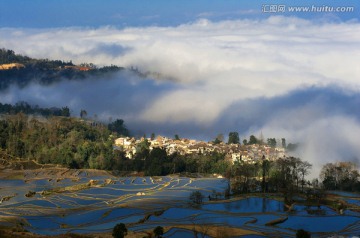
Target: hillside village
21,66
233,152
11,66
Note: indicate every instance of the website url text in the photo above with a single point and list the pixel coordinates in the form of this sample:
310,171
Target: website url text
278,8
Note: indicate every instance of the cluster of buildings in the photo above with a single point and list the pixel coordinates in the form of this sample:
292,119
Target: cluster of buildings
77,67
233,152
19,66
11,66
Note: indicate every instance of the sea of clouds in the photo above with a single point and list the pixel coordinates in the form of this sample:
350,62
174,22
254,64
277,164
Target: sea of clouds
282,76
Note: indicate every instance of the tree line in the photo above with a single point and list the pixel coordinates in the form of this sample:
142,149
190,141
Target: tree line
285,175
26,108
78,143
158,162
253,140
340,176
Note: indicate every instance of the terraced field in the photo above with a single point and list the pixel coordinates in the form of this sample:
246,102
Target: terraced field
51,202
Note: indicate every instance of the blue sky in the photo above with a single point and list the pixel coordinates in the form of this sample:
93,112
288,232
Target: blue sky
120,13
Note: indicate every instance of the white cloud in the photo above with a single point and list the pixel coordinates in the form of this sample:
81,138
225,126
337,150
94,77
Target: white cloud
323,139
225,61
207,69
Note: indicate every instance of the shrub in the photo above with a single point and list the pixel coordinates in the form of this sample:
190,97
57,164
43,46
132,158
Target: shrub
302,234
158,231
119,231
196,197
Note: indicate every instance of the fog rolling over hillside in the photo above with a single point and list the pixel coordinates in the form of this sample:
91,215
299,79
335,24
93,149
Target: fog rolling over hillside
282,76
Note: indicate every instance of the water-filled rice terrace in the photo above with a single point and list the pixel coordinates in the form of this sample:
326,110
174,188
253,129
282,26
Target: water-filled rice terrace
94,204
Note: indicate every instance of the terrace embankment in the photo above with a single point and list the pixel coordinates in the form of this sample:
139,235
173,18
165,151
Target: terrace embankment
218,231
29,170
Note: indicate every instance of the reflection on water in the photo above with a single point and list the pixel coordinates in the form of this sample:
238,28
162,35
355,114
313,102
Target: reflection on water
98,207
248,205
146,202
319,223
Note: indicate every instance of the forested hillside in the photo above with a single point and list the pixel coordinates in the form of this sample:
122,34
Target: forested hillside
78,143
58,140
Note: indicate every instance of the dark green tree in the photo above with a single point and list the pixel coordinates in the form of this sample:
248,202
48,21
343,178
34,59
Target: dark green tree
304,168
143,149
24,107
178,163
234,138
154,165
265,173
158,231
243,174
253,140
83,113
119,127
196,197
119,230
292,147
302,234
219,139
65,112
271,142
142,154
340,175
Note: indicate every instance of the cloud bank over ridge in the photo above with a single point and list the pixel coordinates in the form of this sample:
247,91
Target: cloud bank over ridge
287,77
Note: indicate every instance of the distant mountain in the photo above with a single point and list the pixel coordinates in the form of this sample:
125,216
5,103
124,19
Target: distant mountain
21,70
9,57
